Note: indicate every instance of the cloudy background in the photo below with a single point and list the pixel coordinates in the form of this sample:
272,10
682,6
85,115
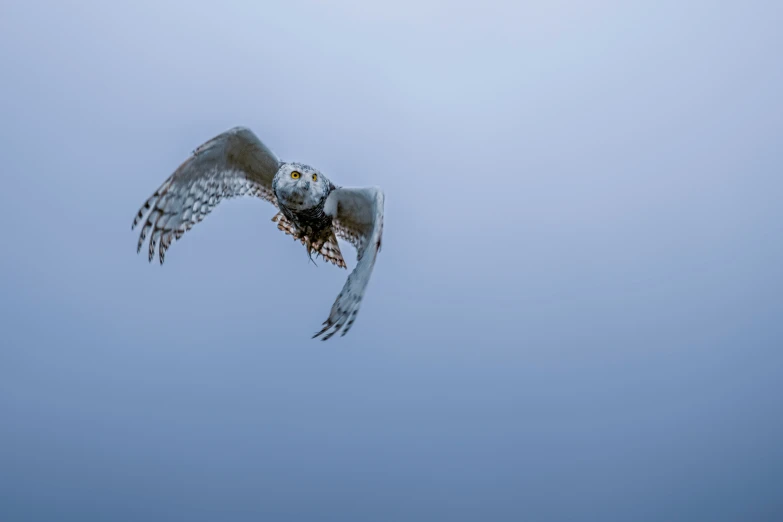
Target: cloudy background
576,314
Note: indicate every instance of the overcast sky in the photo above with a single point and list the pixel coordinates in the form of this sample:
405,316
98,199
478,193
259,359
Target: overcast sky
576,314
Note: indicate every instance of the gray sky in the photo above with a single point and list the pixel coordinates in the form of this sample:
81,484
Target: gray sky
576,314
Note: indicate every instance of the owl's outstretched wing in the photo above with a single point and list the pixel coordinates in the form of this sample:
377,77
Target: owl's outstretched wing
235,163
357,216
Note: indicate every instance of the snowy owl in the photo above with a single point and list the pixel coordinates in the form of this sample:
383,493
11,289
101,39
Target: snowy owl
311,208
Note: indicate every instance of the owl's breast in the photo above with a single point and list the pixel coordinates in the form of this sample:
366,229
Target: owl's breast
311,221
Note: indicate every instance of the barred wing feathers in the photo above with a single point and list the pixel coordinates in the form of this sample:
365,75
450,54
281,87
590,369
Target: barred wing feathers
235,163
358,218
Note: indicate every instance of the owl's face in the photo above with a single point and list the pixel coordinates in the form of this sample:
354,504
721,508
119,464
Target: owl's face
300,186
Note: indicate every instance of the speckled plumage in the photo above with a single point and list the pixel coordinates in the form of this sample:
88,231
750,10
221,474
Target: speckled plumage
311,209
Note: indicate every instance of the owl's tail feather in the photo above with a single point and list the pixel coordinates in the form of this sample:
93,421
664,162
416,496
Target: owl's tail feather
330,250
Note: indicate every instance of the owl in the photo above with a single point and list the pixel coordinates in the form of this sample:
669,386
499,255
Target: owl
311,208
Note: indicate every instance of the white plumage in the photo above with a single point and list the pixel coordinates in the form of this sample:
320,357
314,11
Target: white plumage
312,209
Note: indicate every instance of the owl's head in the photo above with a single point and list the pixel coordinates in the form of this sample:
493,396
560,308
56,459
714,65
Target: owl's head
299,186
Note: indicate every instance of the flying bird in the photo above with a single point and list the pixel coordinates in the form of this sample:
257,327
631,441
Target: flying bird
312,209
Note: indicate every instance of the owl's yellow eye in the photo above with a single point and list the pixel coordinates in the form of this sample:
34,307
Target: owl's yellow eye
295,175
315,177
